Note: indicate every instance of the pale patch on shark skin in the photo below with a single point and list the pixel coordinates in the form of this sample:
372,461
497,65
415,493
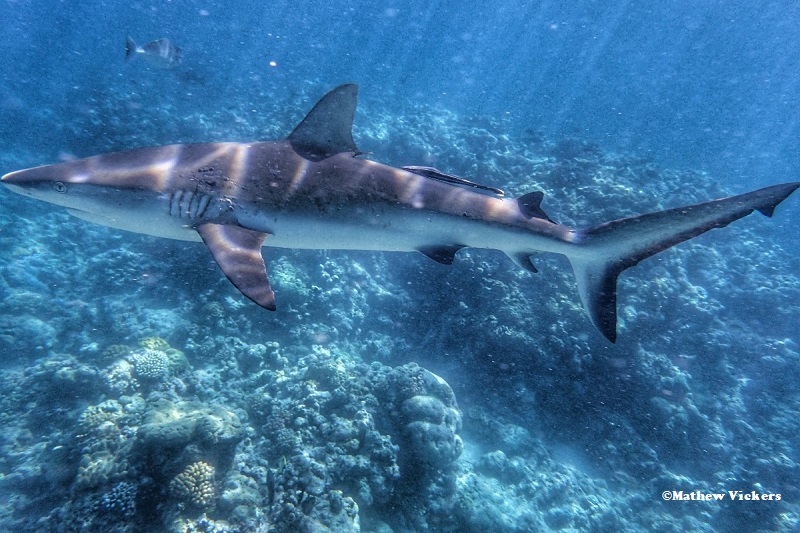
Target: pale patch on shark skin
239,158
412,194
299,176
311,190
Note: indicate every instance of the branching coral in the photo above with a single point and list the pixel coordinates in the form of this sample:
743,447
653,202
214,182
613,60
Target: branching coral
195,485
151,364
97,415
120,499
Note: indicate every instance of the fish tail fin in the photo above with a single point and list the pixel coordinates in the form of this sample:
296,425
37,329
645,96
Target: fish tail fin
130,47
603,252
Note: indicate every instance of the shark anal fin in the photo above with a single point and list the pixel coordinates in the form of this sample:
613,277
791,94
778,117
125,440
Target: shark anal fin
523,260
237,251
328,128
444,254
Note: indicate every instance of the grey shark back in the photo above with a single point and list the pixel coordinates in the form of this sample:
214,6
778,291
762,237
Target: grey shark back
311,190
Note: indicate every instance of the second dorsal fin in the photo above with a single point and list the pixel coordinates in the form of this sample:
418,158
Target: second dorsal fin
531,205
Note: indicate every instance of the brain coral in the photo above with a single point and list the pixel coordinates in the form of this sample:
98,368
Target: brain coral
425,412
195,485
115,351
154,343
432,429
151,364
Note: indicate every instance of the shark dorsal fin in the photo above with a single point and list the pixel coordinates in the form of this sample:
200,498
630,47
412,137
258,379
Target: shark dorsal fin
328,128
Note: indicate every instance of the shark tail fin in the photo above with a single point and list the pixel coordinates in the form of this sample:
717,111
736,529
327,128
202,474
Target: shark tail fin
604,251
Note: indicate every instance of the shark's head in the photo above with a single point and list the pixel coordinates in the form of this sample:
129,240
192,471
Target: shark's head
69,182
113,190
96,183
163,191
85,194
144,171
55,184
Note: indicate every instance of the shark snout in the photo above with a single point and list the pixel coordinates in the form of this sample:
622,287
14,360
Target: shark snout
41,183
8,181
19,179
32,175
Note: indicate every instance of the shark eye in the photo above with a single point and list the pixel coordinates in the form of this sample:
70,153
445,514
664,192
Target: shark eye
59,186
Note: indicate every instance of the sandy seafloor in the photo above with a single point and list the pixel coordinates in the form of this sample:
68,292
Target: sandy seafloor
141,392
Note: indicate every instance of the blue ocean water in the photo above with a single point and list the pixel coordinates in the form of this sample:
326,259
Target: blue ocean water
142,392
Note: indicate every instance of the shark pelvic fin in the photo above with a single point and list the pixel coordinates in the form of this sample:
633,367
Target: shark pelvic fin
237,251
328,128
610,248
444,254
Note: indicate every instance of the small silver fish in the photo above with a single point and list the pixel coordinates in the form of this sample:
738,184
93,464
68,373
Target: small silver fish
160,53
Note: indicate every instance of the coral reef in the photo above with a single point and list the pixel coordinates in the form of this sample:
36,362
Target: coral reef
195,485
151,364
154,343
120,499
127,407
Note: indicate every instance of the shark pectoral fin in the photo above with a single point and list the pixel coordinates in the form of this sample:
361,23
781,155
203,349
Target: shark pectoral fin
237,251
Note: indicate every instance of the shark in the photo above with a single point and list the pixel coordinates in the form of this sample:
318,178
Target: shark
314,190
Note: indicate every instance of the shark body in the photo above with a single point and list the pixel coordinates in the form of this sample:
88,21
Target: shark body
312,191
